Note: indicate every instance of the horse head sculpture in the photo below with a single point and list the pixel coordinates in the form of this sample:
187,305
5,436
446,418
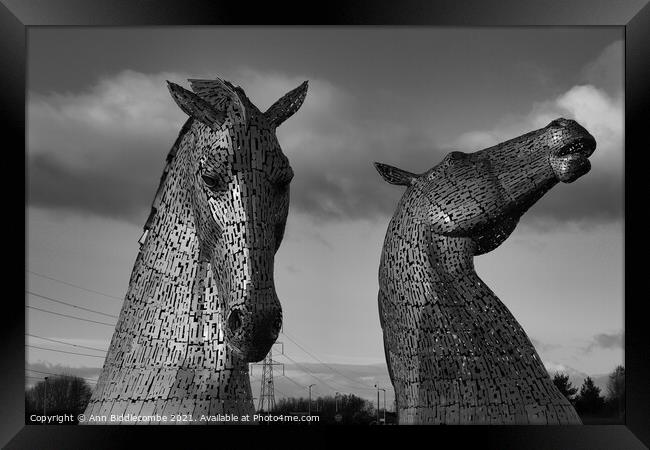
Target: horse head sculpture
455,353
239,179
201,302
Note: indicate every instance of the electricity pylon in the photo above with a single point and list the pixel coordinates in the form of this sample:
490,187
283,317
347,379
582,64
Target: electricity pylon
266,401
267,391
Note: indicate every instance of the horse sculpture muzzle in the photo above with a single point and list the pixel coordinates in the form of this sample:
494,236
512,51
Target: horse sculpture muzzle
571,160
254,325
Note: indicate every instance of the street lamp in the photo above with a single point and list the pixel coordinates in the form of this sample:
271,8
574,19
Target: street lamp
336,402
310,397
377,404
384,403
45,397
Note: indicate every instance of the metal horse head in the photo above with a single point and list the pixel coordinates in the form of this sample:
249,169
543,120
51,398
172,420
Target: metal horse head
483,194
455,353
239,182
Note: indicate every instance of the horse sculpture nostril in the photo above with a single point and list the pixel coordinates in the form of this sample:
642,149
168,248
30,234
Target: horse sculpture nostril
234,321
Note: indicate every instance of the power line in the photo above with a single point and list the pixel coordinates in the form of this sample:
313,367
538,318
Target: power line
326,365
287,377
71,317
41,378
294,381
283,393
33,376
66,343
63,351
73,285
71,305
113,316
60,375
358,383
307,371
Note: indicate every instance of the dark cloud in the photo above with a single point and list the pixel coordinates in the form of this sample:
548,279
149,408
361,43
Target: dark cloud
101,151
589,201
101,191
356,192
95,154
354,189
606,341
360,193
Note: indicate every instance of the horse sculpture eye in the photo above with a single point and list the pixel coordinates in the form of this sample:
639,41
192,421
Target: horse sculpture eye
214,183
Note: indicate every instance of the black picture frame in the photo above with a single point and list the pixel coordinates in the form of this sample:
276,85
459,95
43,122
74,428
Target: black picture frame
632,15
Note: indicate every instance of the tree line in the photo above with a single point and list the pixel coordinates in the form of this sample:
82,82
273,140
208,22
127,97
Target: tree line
68,394
60,394
345,409
590,404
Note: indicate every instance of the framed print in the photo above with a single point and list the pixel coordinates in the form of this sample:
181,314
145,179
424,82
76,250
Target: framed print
419,214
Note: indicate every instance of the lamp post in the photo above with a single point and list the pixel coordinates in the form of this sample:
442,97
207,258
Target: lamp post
384,404
310,397
45,397
377,404
336,402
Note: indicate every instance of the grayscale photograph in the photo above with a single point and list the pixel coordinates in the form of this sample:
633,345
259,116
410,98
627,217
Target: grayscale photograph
359,225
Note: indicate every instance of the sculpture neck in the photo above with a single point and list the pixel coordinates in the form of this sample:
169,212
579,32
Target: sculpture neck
436,259
451,345
169,330
449,256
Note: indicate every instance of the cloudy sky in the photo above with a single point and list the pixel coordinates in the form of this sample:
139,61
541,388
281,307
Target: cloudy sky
101,121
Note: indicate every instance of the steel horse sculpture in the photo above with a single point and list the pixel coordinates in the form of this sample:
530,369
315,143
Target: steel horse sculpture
455,353
201,301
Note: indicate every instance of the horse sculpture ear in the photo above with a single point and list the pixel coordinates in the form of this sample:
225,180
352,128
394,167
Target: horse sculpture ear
394,175
222,95
194,106
287,105
216,92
